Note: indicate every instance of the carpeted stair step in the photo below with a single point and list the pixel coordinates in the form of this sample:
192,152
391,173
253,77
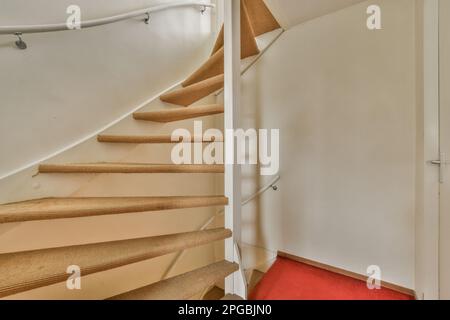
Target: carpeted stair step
63,208
215,64
260,17
213,294
183,287
232,297
249,46
255,278
193,93
28,270
211,68
178,114
219,44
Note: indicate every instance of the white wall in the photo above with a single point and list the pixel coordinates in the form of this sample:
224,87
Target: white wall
67,85
290,13
420,269
344,100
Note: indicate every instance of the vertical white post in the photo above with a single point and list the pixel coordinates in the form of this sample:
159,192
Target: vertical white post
232,48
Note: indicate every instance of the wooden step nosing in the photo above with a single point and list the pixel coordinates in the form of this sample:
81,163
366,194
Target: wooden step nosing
151,139
130,169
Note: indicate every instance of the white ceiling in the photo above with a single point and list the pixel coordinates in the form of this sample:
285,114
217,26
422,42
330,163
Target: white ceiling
292,12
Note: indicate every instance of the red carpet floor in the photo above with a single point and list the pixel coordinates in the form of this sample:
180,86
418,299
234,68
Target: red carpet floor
290,280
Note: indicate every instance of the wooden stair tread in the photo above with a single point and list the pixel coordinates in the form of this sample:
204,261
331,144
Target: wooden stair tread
249,46
22,271
219,41
149,139
232,297
62,208
256,19
193,93
255,277
261,21
215,64
129,168
212,67
184,286
260,17
177,114
214,294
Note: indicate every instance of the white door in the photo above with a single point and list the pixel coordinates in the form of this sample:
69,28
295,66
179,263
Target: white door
444,249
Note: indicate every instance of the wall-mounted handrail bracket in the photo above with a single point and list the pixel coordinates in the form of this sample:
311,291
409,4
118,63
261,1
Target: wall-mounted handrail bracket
20,43
147,18
203,9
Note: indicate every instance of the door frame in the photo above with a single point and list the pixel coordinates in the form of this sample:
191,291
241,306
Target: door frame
444,73
428,186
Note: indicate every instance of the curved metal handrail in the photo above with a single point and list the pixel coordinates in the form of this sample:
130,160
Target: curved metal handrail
271,185
102,21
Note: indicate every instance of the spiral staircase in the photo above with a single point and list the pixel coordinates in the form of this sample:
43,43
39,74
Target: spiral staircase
27,270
